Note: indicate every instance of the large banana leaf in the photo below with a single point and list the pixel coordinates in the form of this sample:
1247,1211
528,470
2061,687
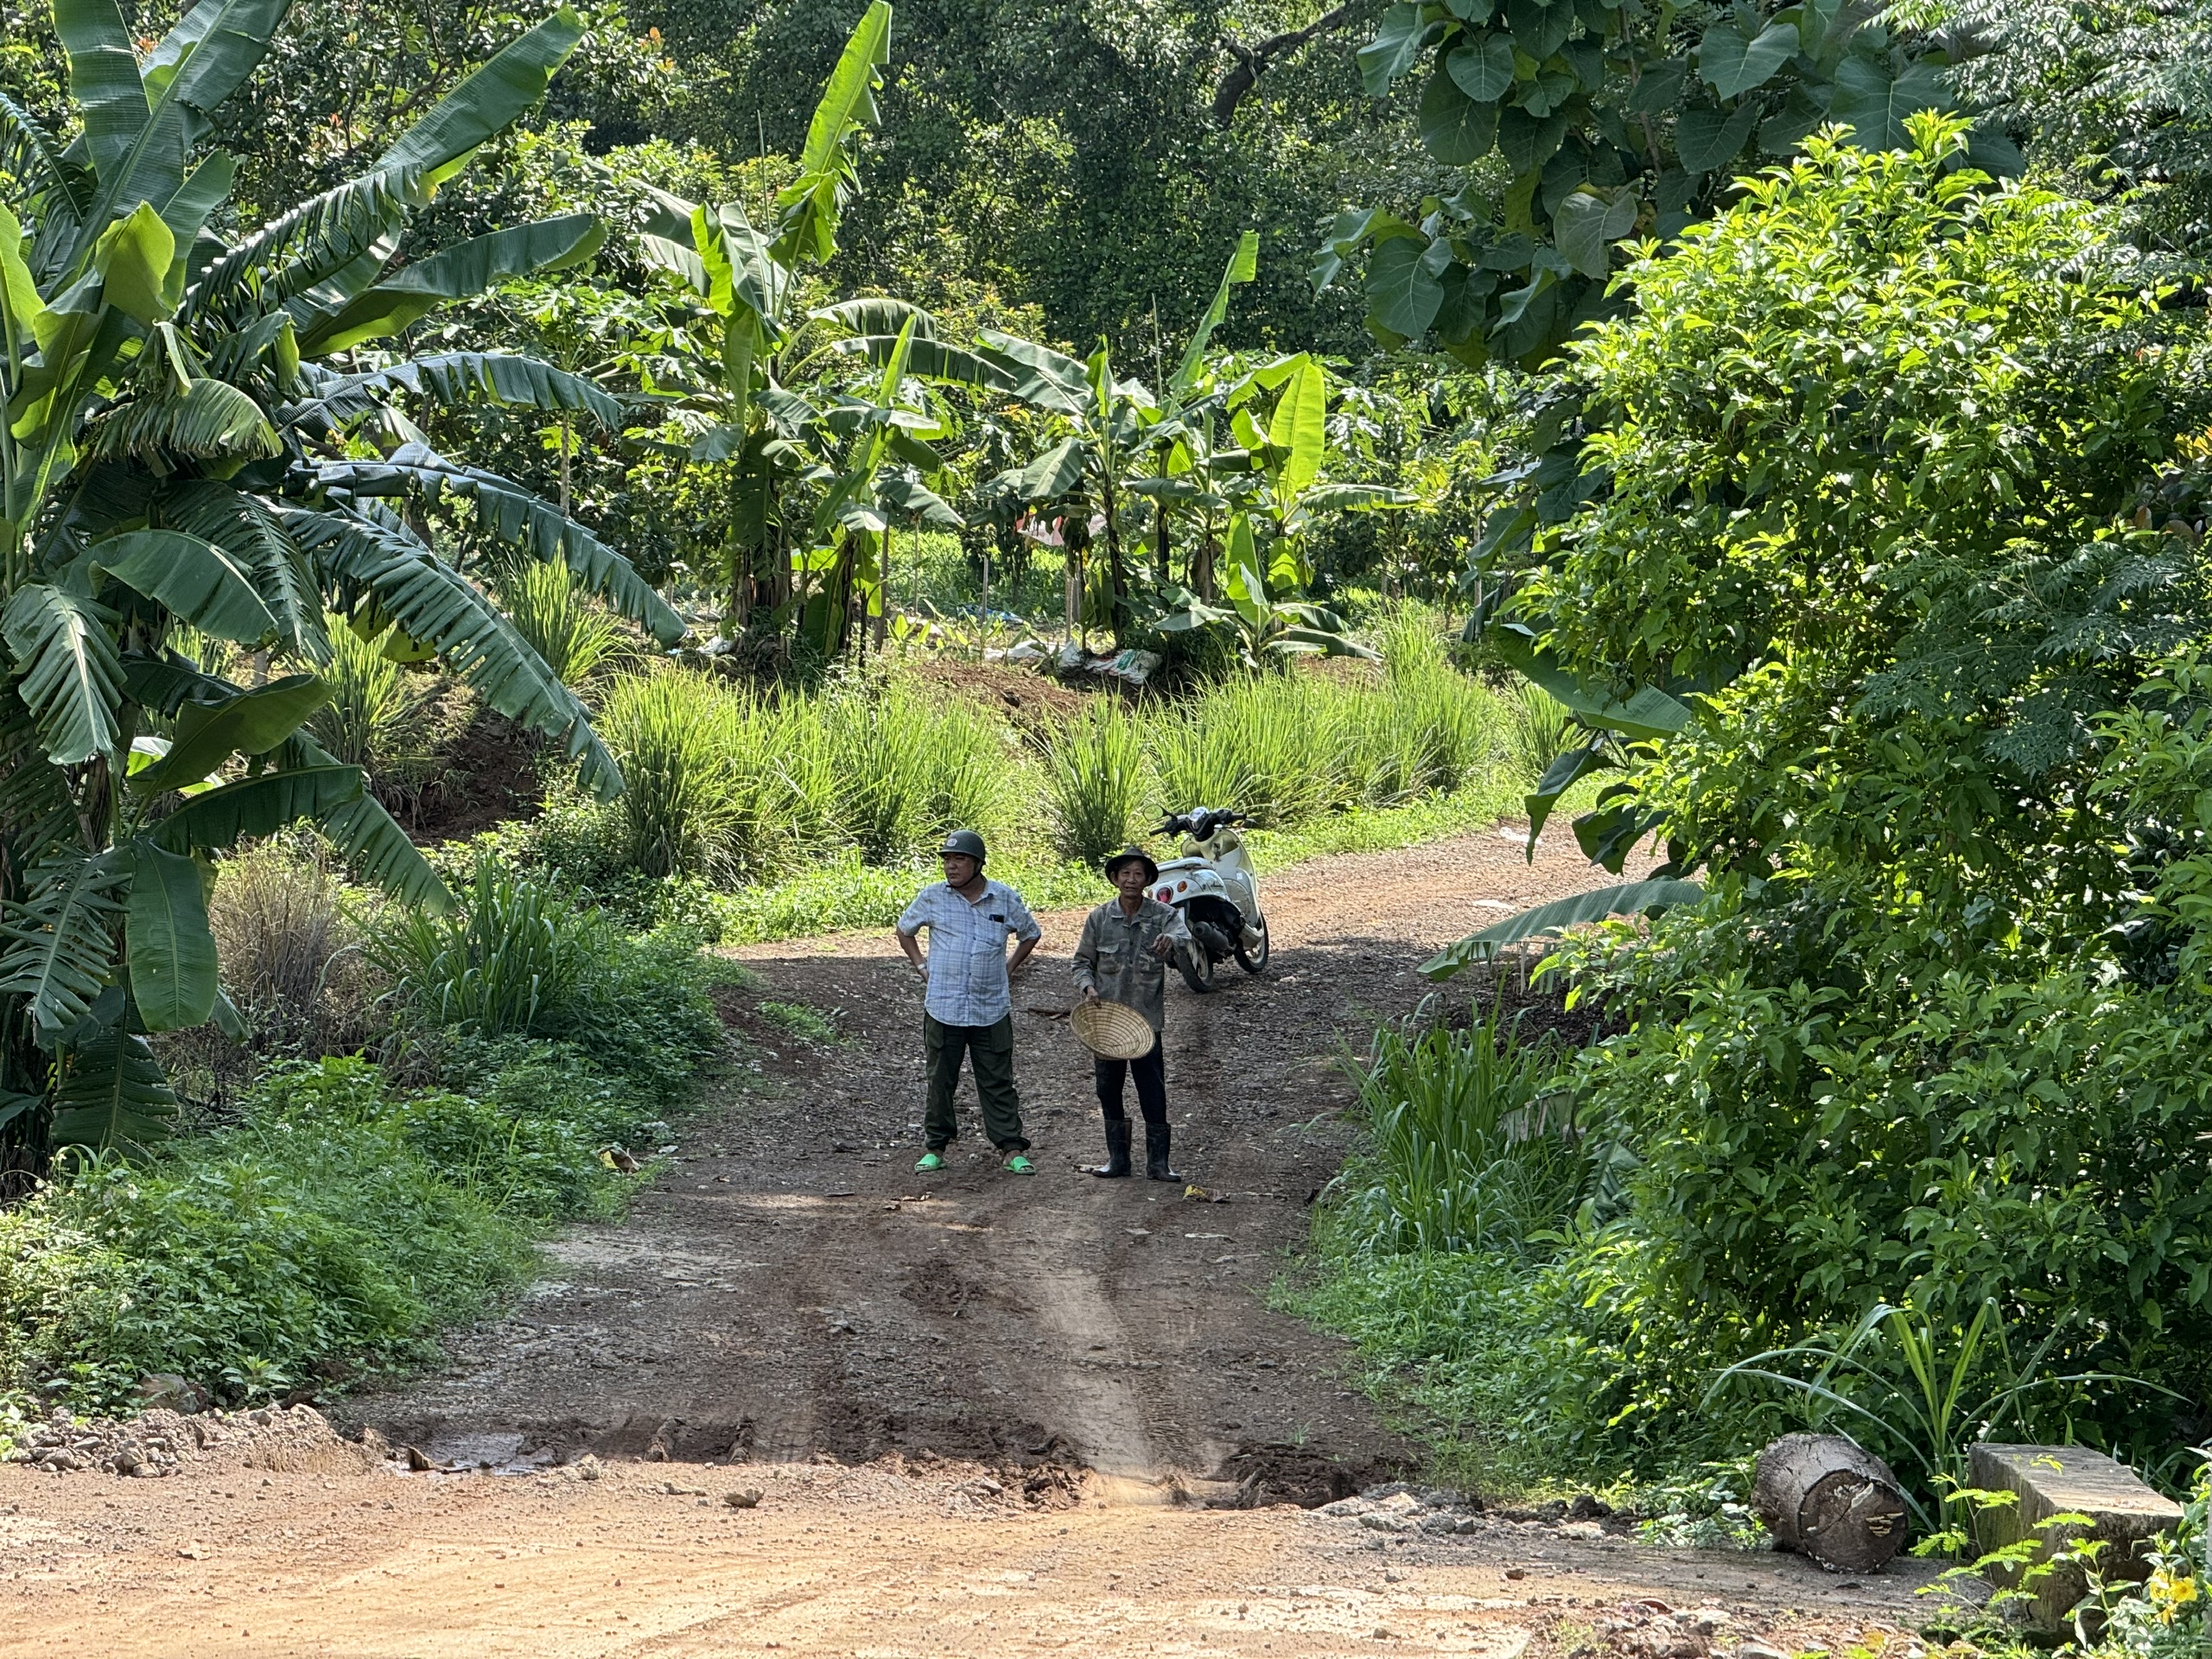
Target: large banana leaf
104,80
373,843
212,50
492,100
1300,431
172,950
250,722
435,605
249,534
460,272
933,360
1560,914
112,1093
809,204
68,675
1243,266
60,937
194,578
1649,714
1039,375
1053,473
257,806
452,378
510,514
304,247
208,420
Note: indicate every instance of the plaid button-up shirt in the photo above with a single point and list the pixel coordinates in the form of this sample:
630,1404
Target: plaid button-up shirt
967,959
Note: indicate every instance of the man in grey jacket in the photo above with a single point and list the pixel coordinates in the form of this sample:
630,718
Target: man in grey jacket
1122,956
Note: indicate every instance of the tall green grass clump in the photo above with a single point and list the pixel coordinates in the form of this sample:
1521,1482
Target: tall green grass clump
507,958
907,767
376,717
574,634
1475,1142
1542,726
680,738
1095,778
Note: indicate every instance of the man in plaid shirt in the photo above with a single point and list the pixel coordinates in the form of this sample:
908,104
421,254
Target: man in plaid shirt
968,1008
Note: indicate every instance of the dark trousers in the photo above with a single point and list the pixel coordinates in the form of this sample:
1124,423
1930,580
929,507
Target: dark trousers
989,1049
1151,1073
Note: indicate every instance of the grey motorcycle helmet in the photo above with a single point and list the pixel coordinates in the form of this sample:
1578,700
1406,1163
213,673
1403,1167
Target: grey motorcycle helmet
967,841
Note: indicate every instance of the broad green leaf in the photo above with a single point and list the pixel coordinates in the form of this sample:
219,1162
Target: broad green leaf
1707,138
455,378
112,1093
1583,908
195,578
488,102
134,258
217,43
1540,27
1873,104
1301,430
104,80
257,806
1584,229
808,206
252,722
1039,375
20,304
434,604
460,272
1402,294
1562,774
69,676
1483,64
1649,714
1053,473
511,514
1243,267
204,189
374,846
60,937
1732,63
1398,40
1455,128
1528,141
172,953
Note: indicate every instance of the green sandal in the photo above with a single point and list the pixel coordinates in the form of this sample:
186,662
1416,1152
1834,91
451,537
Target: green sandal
928,1161
1019,1165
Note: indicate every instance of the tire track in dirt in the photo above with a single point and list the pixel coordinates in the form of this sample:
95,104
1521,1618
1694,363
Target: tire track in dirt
789,1288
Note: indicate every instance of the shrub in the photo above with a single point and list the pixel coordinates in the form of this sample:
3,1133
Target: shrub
293,961
573,634
1094,781
507,959
1476,1146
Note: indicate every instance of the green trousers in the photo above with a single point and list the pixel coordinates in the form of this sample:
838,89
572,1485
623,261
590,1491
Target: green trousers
990,1053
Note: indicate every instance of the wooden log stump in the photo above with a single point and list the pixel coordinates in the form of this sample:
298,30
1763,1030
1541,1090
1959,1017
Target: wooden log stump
1829,1498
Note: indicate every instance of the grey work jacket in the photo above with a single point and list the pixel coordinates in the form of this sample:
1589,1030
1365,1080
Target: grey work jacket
1114,956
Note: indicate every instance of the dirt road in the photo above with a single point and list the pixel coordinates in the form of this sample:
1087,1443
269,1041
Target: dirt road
979,1406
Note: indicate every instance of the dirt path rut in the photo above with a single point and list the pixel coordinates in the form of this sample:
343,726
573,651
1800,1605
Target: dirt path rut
974,1410
792,1287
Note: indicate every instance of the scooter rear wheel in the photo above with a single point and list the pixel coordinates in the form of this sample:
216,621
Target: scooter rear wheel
1197,974
1253,959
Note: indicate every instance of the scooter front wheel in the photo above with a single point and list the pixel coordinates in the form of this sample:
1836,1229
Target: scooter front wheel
1196,965
1252,958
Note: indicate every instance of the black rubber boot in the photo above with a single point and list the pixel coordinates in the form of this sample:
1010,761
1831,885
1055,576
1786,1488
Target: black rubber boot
1155,1153
1117,1150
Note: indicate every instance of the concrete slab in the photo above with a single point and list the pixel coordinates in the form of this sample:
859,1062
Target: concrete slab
2120,1510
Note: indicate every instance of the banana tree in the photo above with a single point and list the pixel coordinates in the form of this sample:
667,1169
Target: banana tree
746,283
1265,628
184,448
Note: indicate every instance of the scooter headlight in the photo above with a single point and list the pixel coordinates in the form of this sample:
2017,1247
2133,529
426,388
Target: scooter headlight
1166,894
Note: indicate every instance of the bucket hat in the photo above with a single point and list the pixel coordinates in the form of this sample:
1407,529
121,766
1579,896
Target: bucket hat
1150,868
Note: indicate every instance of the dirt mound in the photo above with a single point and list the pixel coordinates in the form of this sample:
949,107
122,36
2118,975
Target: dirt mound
1024,696
162,1443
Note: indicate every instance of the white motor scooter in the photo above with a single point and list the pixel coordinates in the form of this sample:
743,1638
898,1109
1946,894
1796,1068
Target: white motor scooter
1213,884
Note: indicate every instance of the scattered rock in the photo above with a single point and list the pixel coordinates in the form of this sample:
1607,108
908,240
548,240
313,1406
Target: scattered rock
1385,1520
586,1467
1345,1508
162,1442
1516,1572
747,1499
1401,1503
1589,1507
1583,1530
1759,1650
